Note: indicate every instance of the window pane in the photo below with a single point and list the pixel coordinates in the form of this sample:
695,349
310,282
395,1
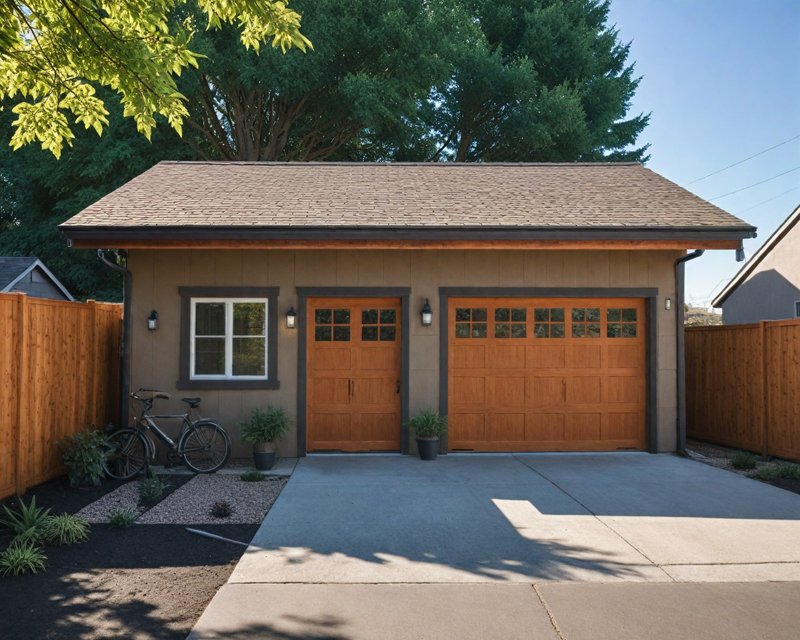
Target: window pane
369,316
518,331
462,330
501,330
322,334
613,330
209,319
578,330
341,316
249,318
479,314
557,315
541,315
369,334
593,315
462,314
479,330
209,356
388,316
388,334
629,315
248,357
578,315
502,315
341,333
628,330
556,330
518,315
613,315
322,316
542,331
593,330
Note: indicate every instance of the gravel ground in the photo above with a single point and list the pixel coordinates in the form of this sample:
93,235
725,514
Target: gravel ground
126,497
191,503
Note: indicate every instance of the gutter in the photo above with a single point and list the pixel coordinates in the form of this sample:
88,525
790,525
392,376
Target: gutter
680,367
125,361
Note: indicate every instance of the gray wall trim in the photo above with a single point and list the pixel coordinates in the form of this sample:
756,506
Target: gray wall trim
689,234
651,340
303,295
271,293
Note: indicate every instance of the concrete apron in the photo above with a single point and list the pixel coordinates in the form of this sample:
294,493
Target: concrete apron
484,528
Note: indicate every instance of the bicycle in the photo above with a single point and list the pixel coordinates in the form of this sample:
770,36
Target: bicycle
202,445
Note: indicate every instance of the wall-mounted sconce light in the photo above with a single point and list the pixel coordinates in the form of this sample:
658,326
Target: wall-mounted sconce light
152,320
668,303
427,314
291,318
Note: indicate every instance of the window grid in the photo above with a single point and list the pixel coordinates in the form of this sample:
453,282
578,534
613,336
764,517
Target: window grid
378,325
510,322
332,325
548,322
471,322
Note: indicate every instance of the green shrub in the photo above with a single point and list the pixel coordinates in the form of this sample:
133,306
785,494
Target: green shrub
20,558
121,518
27,523
252,476
265,425
743,460
151,490
779,470
221,509
84,456
64,529
428,424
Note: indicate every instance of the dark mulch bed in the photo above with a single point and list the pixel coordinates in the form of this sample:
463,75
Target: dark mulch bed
148,581
787,483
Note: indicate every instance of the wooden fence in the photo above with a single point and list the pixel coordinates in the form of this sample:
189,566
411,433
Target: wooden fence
743,386
59,372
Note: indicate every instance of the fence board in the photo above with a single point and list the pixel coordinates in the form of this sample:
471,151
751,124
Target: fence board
60,365
743,386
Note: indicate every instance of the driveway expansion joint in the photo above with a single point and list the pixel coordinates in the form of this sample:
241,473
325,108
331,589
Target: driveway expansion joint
547,610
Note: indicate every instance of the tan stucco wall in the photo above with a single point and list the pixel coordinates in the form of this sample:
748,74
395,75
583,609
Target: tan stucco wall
158,274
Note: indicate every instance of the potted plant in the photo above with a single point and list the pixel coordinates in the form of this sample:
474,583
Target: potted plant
84,455
262,430
428,426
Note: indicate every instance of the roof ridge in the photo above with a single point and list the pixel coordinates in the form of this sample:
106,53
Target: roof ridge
317,163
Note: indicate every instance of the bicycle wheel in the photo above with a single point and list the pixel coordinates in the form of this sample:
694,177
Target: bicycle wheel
128,455
205,447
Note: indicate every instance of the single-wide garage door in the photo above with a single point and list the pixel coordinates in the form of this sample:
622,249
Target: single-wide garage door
546,374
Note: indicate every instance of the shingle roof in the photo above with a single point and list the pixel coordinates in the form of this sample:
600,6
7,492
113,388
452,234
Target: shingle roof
11,268
401,196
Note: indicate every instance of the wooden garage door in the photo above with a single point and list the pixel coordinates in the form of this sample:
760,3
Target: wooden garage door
354,358
556,374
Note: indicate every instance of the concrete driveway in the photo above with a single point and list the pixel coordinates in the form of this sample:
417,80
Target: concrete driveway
506,546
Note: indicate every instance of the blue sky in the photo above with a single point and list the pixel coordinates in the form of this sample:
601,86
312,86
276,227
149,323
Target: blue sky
722,80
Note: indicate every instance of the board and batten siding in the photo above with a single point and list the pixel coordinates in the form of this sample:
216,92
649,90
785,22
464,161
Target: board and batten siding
158,274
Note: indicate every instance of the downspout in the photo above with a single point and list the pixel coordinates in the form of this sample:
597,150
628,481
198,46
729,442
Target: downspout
125,360
680,366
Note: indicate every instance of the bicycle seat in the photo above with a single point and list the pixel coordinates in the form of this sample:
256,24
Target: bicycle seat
192,402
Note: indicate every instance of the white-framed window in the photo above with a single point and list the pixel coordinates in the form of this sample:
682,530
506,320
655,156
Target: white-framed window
229,339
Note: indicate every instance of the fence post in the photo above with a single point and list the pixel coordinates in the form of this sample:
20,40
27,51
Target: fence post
22,387
764,389
92,308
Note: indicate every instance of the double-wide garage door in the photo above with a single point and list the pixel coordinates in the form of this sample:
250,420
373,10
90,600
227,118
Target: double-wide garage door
546,374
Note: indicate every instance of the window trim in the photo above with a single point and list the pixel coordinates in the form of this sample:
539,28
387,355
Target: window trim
797,308
269,295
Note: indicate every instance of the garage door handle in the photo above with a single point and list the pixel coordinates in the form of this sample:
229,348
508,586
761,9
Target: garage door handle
397,386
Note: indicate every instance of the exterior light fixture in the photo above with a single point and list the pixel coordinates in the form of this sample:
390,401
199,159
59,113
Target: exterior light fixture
291,318
152,320
668,303
427,314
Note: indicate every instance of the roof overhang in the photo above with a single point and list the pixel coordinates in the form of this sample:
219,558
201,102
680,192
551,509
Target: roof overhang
762,252
232,237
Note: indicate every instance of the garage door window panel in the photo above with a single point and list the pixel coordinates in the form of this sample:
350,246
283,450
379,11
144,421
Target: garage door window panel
471,322
621,323
510,322
548,322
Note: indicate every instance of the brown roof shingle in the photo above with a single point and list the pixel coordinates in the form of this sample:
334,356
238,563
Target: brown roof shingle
408,196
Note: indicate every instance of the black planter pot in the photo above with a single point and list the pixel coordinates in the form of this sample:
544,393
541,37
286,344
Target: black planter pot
428,448
264,455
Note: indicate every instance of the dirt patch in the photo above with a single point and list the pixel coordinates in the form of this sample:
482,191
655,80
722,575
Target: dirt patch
719,456
147,581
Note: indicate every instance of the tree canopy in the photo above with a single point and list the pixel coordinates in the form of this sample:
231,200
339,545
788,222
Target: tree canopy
55,53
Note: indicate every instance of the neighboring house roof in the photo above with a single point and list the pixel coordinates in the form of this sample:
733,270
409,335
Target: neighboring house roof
14,269
180,199
762,252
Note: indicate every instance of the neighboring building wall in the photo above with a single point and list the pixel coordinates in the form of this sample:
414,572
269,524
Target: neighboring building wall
39,285
771,290
158,274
